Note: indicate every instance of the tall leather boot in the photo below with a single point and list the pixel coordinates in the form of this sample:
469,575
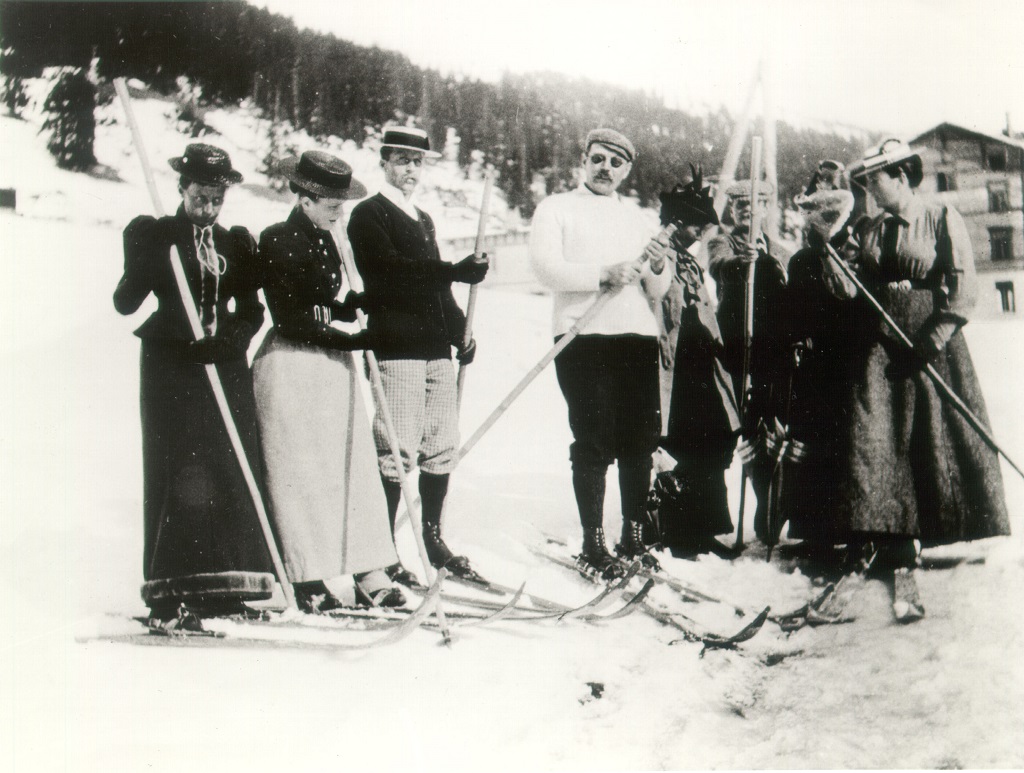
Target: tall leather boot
634,486
396,572
588,483
433,490
595,559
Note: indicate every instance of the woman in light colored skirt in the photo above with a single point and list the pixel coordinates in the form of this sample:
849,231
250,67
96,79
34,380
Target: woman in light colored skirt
327,505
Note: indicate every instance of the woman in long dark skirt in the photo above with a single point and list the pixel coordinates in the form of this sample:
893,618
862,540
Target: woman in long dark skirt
203,542
917,471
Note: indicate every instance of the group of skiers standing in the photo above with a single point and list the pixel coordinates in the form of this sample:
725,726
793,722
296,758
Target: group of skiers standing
839,428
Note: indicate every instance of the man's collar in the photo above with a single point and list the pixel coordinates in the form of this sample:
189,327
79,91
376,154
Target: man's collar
585,190
396,196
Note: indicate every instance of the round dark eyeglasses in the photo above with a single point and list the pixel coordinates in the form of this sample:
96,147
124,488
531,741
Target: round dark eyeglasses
616,161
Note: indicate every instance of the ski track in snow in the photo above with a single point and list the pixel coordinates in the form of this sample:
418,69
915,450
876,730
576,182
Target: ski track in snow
947,692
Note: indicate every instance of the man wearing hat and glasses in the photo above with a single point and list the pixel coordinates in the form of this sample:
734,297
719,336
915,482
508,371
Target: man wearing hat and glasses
328,513
415,322
584,243
203,542
917,470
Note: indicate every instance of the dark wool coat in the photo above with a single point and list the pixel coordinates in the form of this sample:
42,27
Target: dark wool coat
817,412
703,416
769,342
198,513
412,312
769,333
916,468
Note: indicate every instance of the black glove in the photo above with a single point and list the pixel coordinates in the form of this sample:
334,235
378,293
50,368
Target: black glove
345,311
668,487
211,349
350,343
471,269
465,354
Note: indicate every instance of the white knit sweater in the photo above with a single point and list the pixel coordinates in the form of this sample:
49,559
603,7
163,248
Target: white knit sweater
574,235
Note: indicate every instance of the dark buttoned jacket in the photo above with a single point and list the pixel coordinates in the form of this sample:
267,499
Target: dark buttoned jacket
148,242
412,312
302,276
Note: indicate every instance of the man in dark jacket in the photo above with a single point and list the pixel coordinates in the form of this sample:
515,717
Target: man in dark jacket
203,543
414,322
730,259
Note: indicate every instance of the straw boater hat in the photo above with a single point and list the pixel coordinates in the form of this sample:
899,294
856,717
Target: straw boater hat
408,138
890,153
206,165
323,174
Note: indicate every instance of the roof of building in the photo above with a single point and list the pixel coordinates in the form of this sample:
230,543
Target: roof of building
1013,142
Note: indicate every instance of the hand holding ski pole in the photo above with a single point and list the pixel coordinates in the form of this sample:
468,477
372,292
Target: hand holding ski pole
748,322
976,424
663,237
468,349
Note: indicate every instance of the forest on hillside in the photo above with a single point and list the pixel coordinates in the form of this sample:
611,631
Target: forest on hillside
530,126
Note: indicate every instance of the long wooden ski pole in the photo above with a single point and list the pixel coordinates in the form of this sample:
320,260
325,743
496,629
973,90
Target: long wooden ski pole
211,370
969,416
567,338
471,303
736,143
748,309
377,383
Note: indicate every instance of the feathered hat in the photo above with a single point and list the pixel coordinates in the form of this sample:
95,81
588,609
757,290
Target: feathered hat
689,204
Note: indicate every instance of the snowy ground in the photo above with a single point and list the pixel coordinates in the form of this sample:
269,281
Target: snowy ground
947,692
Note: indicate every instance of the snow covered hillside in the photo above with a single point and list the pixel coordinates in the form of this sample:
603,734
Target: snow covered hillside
947,692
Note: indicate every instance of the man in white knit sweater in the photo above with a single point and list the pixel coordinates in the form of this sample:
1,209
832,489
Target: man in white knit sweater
584,243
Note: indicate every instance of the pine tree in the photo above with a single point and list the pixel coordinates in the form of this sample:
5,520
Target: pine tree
71,121
14,96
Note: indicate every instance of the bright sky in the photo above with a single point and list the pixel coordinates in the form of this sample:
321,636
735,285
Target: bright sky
892,65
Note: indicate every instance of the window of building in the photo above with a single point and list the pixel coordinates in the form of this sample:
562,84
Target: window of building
946,182
1006,295
995,155
1000,243
999,196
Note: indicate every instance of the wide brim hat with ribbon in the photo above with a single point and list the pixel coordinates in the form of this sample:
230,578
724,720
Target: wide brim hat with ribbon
323,174
890,153
206,165
408,138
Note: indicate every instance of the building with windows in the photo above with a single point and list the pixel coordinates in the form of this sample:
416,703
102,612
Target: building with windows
982,175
